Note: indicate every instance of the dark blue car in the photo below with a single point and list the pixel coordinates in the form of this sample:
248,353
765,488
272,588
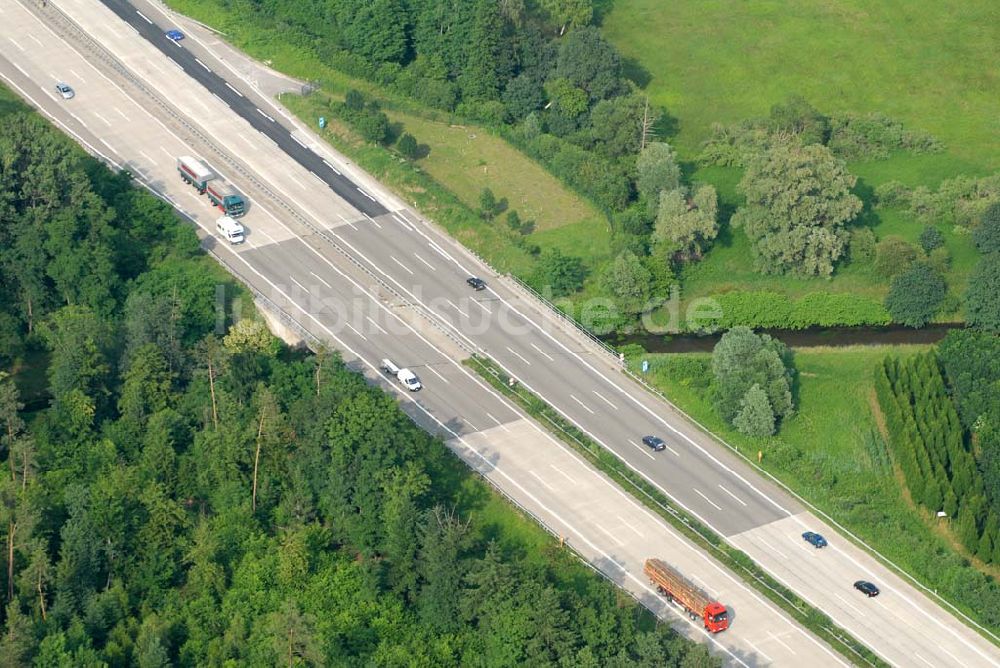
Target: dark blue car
814,539
175,35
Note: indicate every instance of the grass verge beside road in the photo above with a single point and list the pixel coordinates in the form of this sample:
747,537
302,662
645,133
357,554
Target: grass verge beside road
734,559
832,453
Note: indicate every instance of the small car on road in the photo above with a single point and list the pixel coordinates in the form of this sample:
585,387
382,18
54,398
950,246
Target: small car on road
476,283
174,34
654,443
866,588
814,539
64,90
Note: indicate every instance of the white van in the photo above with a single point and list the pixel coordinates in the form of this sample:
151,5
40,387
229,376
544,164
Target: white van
230,230
404,376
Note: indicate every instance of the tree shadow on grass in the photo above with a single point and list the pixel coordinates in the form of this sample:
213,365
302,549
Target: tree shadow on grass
667,126
601,9
635,72
725,237
869,216
396,130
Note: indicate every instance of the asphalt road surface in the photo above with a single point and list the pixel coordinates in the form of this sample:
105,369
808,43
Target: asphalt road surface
425,316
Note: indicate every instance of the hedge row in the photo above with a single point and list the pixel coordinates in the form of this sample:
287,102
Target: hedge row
772,310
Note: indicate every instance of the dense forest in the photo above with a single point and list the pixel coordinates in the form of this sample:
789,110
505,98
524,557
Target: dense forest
184,490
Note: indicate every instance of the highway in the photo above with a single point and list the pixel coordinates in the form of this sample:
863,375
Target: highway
358,268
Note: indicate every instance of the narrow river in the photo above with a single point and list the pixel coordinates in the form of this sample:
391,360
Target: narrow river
798,338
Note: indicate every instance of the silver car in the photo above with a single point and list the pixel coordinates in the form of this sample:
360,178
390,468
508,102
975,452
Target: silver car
65,91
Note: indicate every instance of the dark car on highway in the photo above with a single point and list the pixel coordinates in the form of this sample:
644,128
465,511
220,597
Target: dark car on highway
655,443
476,283
814,539
174,34
866,588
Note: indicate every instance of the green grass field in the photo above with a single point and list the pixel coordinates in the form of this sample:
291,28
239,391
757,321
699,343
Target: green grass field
934,65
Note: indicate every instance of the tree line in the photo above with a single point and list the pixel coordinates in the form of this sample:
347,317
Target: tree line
201,496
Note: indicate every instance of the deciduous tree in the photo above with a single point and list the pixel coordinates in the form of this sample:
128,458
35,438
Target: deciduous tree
915,295
590,62
657,171
743,359
798,201
687,223
629,281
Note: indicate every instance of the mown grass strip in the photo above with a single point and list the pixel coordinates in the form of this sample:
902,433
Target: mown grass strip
736,560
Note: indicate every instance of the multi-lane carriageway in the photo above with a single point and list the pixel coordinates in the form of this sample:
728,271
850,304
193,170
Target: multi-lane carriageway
354,266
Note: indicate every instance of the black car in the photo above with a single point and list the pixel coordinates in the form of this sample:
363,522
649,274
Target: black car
655,443
814,539
866,588
476,283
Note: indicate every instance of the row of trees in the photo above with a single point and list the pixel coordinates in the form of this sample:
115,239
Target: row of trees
194,499
971,362
932,450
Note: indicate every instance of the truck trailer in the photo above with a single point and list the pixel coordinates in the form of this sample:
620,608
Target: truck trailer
221,194
699,605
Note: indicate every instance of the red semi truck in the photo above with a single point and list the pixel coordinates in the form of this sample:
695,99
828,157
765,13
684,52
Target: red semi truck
221,193
697,603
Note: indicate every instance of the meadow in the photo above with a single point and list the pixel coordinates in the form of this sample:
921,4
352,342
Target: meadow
932,65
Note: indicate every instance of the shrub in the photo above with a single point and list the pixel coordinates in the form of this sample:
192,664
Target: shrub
930,238
875,136
915,295
354,100
407,146
892,193
514,221
940,259
489,206
962,200
862,245
365,116
798,117
893,255
559,274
